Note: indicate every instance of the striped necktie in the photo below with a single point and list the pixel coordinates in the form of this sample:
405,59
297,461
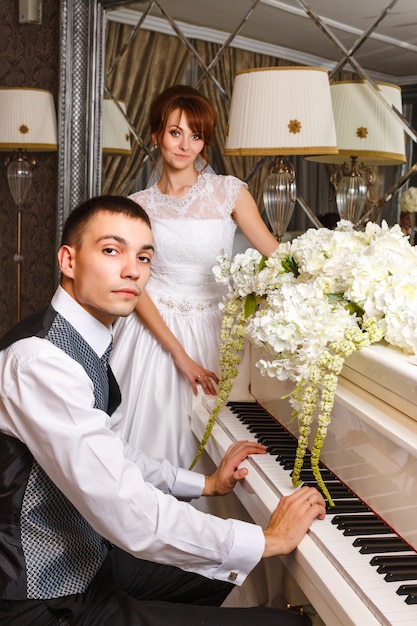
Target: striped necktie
106,356
114,390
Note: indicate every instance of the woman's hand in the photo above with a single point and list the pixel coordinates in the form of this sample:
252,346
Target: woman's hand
196,374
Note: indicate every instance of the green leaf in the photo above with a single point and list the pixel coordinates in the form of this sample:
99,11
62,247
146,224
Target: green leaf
335,297
350,306
290,265
250,305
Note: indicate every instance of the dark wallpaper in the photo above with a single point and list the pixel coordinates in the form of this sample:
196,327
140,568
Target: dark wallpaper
29,56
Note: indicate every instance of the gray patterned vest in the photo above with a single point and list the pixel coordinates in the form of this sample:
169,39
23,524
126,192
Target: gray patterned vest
48,549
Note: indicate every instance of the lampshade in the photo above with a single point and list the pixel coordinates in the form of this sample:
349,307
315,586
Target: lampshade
27,120
281,111
365,127
116,132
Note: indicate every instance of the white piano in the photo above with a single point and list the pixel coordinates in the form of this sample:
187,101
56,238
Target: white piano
372,448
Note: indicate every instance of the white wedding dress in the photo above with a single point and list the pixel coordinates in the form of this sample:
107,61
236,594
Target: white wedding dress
189,232
157,399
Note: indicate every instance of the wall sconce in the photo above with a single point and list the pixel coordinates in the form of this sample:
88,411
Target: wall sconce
368,133
116,131
27,124
279,111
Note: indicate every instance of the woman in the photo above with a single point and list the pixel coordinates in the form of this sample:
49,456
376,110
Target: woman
170,346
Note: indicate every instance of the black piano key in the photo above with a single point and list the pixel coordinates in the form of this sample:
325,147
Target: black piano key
306,474
369,521
257,421
274,431
394,559
410,591
282,439
237,405
411,568
275,437
411,599
348,506
284,457
372,522
287,462
357,531
403,590
346,519
254,415
337,490
398,573
376,545
355,526
244,404
270,429
341,489
283,443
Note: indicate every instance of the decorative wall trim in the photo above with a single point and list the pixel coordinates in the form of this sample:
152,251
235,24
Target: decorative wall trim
158,24
79,110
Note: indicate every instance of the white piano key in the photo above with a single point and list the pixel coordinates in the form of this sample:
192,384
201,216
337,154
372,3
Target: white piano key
350,576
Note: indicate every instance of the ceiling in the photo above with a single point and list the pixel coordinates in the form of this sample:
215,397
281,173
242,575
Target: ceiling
390,52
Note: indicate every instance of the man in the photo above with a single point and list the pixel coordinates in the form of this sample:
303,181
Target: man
91,533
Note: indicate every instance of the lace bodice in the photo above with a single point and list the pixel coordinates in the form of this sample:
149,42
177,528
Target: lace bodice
189,232
211,197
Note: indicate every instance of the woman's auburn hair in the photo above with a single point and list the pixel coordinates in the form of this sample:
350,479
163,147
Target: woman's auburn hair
201,114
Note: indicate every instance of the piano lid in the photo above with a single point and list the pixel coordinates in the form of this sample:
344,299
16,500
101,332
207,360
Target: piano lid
387,373
381,370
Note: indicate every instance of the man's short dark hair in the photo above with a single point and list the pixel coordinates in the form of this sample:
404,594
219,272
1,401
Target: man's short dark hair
82,214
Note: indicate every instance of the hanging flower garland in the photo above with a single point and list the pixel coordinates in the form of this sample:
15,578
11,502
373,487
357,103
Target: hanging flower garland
232,339
307,307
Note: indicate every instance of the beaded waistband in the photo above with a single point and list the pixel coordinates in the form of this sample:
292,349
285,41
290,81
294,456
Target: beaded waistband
186,306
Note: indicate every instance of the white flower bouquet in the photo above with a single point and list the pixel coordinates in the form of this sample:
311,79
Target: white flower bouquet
310,305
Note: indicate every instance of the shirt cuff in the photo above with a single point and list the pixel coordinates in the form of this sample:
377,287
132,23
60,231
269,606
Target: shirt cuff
188,484
248,548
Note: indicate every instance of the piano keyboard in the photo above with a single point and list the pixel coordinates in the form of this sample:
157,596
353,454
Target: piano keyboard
371,562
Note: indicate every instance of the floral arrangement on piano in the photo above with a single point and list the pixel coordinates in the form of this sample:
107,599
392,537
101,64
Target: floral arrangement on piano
307,307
